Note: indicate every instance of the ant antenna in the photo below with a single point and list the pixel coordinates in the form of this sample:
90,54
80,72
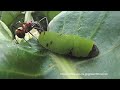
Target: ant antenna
41,28
22,20
20,23
45,19
14,27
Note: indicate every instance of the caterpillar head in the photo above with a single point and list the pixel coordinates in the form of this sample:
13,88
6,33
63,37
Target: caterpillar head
94,52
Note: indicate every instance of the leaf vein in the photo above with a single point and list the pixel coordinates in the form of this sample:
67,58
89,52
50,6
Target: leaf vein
99,23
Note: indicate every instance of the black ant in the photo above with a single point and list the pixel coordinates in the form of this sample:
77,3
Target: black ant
27,27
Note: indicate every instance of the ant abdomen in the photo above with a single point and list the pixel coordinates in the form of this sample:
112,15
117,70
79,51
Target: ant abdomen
20,33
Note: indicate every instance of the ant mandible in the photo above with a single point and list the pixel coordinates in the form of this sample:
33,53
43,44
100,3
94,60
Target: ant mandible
27,27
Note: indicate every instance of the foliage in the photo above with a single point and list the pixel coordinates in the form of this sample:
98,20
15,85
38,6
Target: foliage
24,61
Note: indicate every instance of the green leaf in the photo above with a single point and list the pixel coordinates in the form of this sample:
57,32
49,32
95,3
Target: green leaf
50,14
24,61
9,16
101,26
4,30
37,15
28,16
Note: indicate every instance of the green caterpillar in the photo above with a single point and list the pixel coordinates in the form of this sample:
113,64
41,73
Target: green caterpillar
73,45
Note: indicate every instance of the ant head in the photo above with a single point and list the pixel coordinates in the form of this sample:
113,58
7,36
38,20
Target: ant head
29,23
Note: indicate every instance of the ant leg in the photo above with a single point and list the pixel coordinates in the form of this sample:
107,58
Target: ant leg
33,35
22,20
26,41
16,41
45,19
39,29
20,23
14,34
14,27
